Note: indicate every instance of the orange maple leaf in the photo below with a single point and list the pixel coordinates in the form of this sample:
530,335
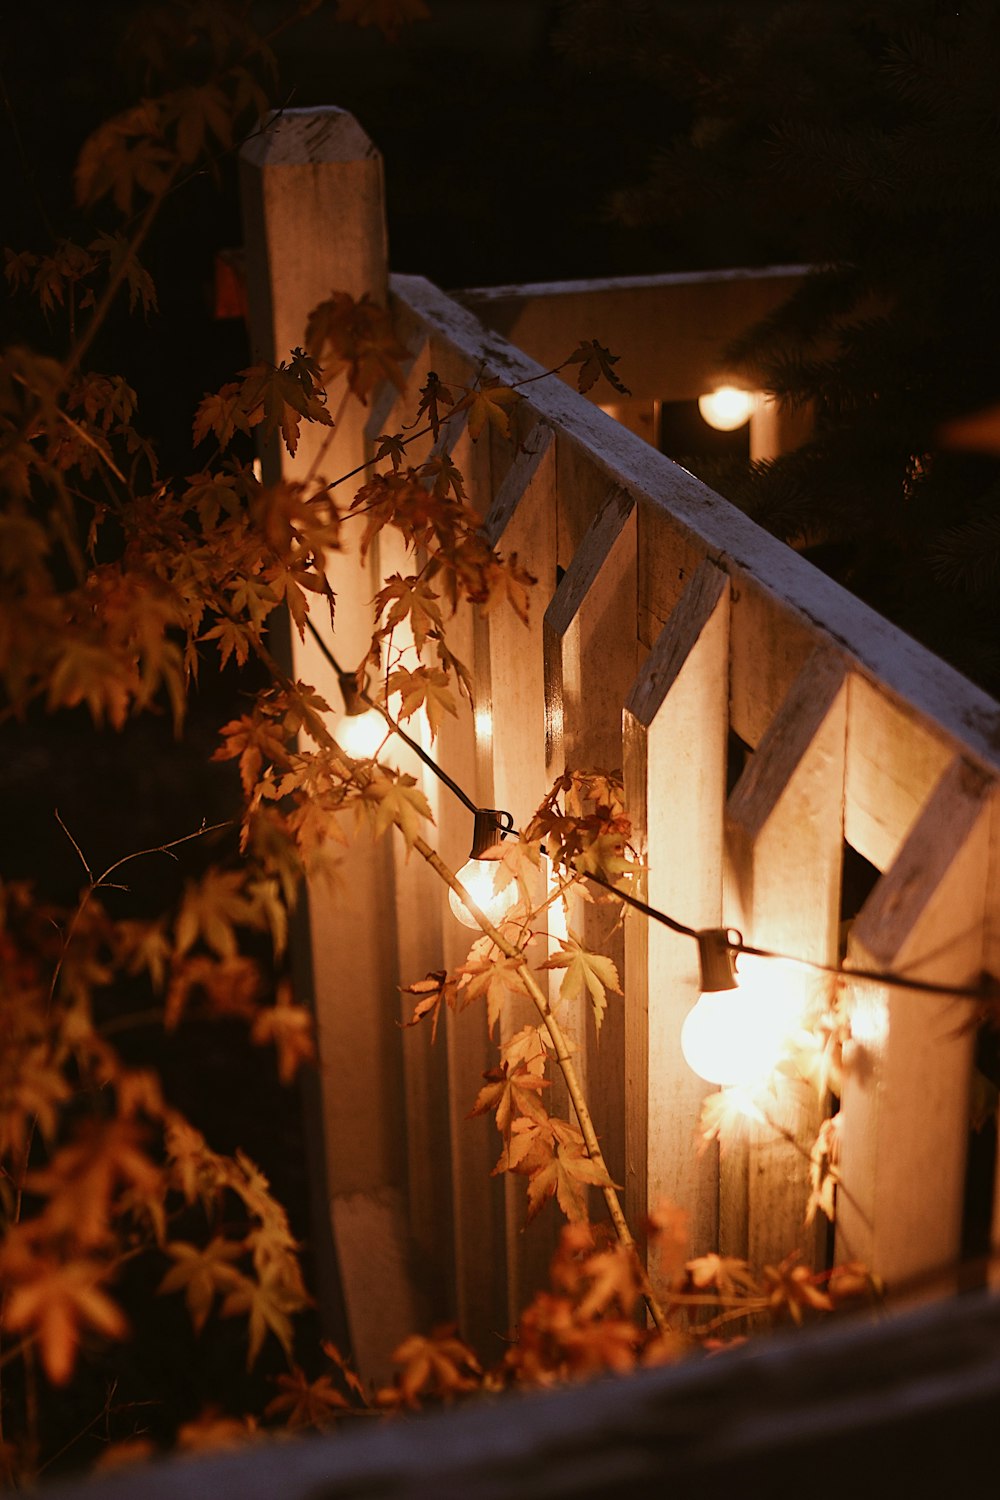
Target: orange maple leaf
488,405
440,1366
290,1028
55,1302
304,1402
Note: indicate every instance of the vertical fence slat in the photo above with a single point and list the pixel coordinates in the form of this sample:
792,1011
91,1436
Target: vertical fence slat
314,217
478,1198
510,727
893,764
675,724
591,658
784,835
905,1105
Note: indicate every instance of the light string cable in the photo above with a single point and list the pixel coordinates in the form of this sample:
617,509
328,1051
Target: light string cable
735,944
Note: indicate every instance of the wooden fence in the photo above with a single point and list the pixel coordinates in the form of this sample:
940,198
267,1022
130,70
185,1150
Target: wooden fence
769,726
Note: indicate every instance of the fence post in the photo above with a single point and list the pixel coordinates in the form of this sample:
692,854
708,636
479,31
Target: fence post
314,223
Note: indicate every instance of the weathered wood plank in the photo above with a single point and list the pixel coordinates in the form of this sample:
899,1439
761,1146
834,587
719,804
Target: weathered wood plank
784,833
510,724
907,1405
893,763
296,177
670,332
675,727
905,1104
591,658
478,1198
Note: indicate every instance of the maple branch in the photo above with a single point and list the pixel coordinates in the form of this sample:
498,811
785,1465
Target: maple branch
566,1065
114,284
353,771
73,841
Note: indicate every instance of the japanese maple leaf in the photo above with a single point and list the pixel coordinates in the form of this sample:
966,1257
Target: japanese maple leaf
267,1304
795,1288
359,335
592,972
511,1092
56,1303
304,1402
434,395
409,598
104,679
611,1277
495,978
440,1366
391,445
530,1046
439,987
399,802
567,1175
594,361
82,1178
726,1274
211,910
489,405
212,1430
201,1273
191,1162
222,412
349,1375
290,1028
427,688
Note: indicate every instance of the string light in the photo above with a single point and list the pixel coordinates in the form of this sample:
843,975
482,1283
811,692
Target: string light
362,731
479,874
728,407
718,947
737,1032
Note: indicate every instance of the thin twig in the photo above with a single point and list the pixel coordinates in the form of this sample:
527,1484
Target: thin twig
76,846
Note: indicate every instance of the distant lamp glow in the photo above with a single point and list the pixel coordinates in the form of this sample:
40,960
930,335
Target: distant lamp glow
728,407
362,730
737,1032
479,873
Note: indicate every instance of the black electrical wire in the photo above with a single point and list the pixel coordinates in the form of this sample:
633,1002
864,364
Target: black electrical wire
407,739
875,976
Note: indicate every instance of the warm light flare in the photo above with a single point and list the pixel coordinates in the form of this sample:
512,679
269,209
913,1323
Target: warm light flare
737,1037
479,877
728,407
361,735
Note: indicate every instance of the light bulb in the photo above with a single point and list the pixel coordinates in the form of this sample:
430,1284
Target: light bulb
728,407
737,1037
479,878
361,735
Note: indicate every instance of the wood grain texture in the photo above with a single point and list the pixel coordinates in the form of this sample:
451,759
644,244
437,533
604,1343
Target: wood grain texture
591,658
510,725
905,1102
784,832
676,722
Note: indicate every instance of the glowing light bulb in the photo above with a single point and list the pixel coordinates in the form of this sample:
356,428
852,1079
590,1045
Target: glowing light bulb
728,407
479,878
737,1037
361,735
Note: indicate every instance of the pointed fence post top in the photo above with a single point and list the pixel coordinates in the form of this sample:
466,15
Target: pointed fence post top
305,137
